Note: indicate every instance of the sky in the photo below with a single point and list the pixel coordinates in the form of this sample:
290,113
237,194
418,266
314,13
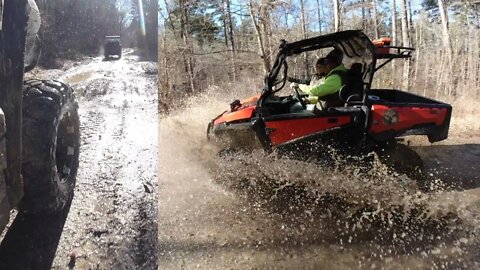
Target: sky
310,7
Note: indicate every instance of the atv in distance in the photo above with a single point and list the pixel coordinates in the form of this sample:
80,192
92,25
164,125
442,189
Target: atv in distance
112,47
369,119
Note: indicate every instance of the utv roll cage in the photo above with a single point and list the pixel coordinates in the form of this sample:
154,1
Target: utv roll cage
398,52
352,43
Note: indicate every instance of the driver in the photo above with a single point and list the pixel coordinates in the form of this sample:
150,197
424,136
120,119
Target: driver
326,90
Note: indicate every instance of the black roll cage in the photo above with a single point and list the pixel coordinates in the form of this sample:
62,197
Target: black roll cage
349,42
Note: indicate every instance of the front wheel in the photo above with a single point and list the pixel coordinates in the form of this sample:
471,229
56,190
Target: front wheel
51,142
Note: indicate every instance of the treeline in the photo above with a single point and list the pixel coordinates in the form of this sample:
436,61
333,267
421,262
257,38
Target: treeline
217,41
72,27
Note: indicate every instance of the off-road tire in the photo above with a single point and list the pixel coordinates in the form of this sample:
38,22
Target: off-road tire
51,142
402,159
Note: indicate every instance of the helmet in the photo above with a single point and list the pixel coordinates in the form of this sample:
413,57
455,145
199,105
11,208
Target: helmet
32,46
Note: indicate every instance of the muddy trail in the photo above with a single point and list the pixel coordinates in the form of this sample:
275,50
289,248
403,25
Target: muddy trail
258,211
112,222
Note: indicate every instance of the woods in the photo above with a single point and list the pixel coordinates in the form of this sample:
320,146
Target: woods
71,28
222,41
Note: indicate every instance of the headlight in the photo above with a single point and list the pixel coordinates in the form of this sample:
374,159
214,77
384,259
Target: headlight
390,117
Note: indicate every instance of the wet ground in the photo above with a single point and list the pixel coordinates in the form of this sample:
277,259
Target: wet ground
112,222
216,212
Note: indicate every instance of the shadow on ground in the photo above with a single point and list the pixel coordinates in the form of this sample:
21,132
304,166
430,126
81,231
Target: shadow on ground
32,240
457,166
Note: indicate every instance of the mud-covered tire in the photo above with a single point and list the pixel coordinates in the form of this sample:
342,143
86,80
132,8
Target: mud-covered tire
51,142
402,159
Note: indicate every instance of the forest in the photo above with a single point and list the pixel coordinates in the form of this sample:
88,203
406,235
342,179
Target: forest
71,28
221,42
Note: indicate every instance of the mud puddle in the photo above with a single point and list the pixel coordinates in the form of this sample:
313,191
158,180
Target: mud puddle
112,220
267,212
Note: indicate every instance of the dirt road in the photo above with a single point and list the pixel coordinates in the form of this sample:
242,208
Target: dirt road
112,223
207,219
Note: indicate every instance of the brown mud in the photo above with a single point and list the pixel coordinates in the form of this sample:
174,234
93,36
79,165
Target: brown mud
258,211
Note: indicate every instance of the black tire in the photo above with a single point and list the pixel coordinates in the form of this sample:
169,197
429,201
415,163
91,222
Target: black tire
402,159
51,145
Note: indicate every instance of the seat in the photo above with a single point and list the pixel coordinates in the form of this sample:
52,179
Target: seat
352,92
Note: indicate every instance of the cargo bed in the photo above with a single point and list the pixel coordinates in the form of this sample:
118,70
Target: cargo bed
396,113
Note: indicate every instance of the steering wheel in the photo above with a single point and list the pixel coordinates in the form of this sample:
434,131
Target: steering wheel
299,98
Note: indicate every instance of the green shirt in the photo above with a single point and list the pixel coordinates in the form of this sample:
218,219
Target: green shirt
331,84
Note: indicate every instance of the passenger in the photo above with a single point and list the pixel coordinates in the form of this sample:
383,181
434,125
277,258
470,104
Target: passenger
326,90
317,78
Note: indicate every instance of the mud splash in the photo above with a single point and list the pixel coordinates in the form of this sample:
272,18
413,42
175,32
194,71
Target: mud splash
378,216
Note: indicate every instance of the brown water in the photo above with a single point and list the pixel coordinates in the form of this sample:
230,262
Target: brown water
257,210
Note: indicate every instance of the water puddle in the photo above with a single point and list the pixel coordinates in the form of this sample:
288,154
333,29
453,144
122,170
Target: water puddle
79,77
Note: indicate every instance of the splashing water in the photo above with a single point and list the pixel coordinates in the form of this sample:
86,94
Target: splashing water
383,212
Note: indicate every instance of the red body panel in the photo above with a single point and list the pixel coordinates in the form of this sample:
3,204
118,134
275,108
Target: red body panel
408,117
245,111
240,114
283,131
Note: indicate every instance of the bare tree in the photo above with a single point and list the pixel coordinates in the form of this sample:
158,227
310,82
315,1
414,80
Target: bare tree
405,26
232,42
188,48
445,29
375,19
406,43
164,78
304,32
394,29
336,15
262,47
394,22
319,15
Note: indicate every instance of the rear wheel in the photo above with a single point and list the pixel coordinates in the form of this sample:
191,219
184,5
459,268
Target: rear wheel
51,142
402,159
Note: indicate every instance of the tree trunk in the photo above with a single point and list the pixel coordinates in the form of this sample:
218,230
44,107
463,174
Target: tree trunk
165,77
375,19
188,50
394,23
406,43
364,23
405,27
336,15
266,29
394,33
410,17
232,41
230,26
258,32
224,22
319,17
304,34
445,28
